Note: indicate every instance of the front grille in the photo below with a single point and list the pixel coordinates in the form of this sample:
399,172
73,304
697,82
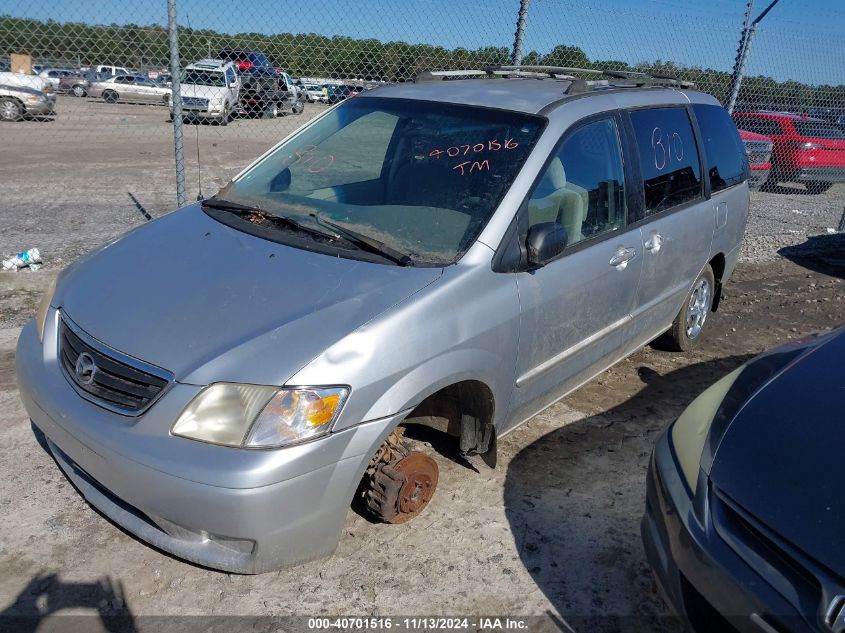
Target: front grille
759,152
795,576
195,103
117,382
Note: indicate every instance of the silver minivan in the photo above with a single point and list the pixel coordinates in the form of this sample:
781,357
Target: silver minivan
224,380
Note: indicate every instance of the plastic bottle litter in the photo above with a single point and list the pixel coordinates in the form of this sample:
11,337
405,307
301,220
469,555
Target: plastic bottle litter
30,257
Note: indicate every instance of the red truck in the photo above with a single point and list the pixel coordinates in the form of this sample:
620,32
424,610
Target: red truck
806,150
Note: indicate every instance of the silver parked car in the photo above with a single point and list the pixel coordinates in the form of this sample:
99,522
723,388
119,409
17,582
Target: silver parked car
223,381
18,102
313,93
134,88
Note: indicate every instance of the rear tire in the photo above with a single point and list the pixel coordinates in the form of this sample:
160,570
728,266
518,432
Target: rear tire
818,187
10,110
110,96
79,91
688,326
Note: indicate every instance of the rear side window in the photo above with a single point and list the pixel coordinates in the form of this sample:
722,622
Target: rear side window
668,157
818,129
723,148
759,125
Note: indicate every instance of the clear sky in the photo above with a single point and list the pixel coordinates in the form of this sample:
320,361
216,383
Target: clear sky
799,39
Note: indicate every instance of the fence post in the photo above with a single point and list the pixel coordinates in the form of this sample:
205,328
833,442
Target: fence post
176,102
742,53
519,36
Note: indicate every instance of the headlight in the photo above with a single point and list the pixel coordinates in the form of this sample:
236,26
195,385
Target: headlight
691,429
36,98
43,307
254,416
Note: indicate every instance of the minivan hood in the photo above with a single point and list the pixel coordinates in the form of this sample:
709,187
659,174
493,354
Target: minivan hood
210,303
781,457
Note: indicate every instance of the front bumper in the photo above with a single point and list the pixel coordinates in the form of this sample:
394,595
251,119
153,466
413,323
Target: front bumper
759,175
819,174
245,511
41,108
703,579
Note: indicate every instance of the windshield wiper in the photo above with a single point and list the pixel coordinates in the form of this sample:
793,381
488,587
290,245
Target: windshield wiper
366,242
256,215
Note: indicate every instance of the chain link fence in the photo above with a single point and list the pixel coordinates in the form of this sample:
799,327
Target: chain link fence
109,148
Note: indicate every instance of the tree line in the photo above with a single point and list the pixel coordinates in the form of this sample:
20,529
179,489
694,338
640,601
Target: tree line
314,55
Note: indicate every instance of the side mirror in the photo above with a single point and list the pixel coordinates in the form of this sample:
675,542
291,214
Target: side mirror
545,242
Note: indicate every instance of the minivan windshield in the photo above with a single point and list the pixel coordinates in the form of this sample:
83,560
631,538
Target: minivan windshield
420,178
204,78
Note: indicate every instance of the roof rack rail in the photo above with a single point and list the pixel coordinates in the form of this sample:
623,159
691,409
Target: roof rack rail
577,85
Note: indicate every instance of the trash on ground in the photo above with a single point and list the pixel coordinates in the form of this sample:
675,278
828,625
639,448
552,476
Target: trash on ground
30,257
831,230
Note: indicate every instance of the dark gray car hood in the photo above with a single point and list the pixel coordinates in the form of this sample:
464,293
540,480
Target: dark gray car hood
781,457
210,303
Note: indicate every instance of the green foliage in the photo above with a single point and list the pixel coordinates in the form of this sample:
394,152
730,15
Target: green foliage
313,55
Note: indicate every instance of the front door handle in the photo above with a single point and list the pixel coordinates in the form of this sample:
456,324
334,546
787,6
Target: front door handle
654,242
622,256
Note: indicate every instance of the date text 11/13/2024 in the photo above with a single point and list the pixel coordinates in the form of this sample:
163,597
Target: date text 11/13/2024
419,623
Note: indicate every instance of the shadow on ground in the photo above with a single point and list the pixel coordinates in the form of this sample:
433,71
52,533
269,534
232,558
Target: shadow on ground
46,595
580,544
820,253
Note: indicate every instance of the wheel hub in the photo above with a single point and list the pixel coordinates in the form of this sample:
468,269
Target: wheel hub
399,483
698,307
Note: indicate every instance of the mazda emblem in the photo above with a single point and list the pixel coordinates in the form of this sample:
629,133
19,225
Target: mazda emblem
85,369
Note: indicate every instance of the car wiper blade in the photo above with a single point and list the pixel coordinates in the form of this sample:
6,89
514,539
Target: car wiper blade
227,205
366,242
257,215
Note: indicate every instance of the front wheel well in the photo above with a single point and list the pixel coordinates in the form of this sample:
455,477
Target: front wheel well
718,264
463,409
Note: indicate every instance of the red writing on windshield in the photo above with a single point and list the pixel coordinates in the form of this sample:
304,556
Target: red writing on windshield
474,165
462,150
310,158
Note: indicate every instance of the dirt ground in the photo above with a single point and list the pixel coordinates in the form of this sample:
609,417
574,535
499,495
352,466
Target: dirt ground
553,531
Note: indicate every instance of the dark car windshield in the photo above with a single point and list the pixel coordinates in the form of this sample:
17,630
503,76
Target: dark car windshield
818,129
421,177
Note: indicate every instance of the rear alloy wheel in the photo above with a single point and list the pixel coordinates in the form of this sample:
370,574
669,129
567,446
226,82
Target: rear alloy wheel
818,187
78,91
110,96
10,110
686,330
297,107
399,482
